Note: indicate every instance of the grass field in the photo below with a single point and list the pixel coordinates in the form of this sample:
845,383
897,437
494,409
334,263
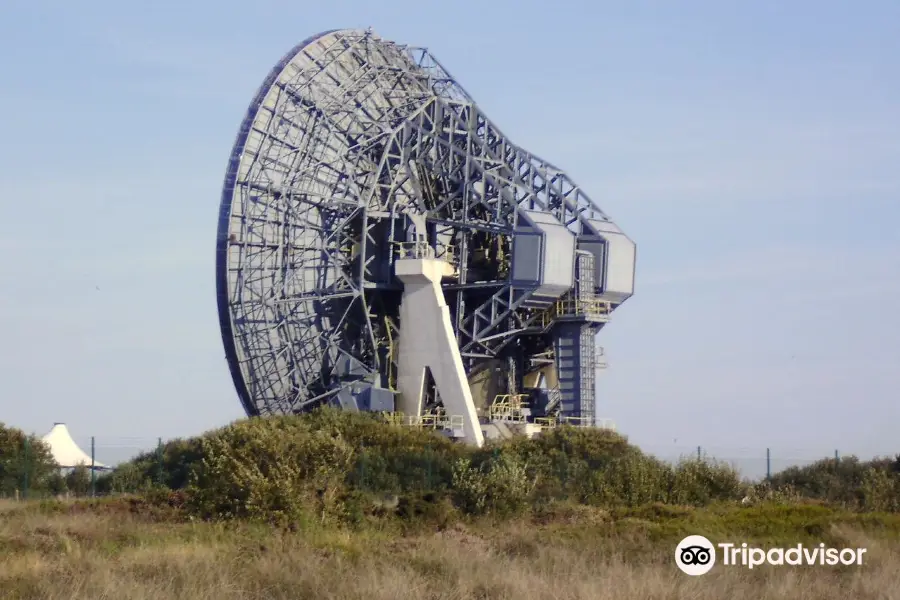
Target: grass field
338,505
125,549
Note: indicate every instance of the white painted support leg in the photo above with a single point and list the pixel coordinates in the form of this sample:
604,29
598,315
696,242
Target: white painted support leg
427,340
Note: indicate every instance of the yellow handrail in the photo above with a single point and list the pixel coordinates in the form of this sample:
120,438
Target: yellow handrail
391,375
425,421
575,421
419,249
507,407
548,422
422,249
393,418
569,306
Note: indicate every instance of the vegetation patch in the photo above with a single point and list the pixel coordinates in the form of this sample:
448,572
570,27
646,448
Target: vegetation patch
331,467
354,469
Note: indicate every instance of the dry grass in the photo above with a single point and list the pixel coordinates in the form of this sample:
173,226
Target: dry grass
113,551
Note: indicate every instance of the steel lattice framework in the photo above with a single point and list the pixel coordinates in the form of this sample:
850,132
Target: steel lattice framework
352,145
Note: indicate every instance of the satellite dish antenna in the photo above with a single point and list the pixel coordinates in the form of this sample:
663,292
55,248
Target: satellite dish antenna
383,246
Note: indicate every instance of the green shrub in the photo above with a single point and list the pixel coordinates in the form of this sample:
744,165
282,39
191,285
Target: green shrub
170,466
848,482
880,490
26,463
56,483
331,465
130,477
701,482
270,469
498,486
429,509
599,467
78,481
631,480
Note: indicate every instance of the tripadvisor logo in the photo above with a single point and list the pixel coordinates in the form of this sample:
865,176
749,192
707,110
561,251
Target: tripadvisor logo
696,555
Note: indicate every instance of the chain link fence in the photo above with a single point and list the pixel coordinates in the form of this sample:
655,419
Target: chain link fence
752,463
27,469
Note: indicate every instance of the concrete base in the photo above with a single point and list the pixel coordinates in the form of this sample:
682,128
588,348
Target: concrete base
427,341
504,430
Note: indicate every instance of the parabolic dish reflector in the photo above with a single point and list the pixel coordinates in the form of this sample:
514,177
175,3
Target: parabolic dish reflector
357,153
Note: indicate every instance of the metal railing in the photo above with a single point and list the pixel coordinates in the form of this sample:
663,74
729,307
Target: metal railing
393,418
554,397
576,307
423,250
551,422
546,422
507,408
436,421
575,421
392,350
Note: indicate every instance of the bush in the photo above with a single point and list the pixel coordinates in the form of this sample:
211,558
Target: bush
130,477
26,464
599,467
56,483
880,490
631,480
320,465
498,486
699,482
339,466
848,482
78,481
171,466
270,469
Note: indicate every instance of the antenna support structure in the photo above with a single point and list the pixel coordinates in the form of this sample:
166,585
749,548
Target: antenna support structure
383,246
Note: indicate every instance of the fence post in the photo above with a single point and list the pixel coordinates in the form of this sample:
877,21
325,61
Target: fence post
159,461
25,474
768,464
93,471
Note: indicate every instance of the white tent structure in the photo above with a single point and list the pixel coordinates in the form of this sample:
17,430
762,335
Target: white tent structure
65,451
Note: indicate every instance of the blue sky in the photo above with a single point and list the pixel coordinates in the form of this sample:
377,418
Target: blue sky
752,150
